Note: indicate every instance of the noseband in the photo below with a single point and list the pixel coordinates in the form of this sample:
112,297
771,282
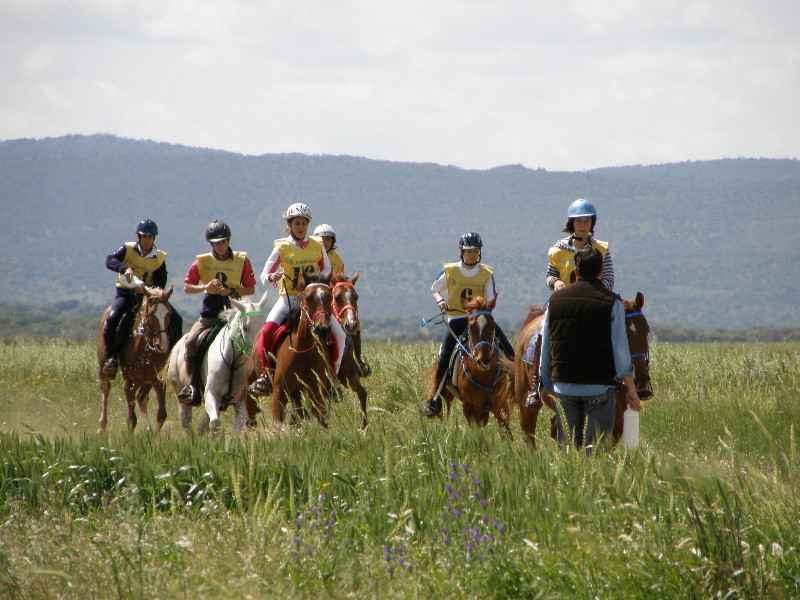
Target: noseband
647,392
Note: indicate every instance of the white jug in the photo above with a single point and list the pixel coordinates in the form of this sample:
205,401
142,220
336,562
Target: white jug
630,429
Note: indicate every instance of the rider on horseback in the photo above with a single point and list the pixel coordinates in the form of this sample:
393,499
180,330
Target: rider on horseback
463,280
291,257
581,219
327,234
219,275
142,260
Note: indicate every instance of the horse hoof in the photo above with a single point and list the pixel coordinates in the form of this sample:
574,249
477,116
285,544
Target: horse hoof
214,425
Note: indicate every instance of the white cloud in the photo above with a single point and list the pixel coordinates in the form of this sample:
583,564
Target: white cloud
475,83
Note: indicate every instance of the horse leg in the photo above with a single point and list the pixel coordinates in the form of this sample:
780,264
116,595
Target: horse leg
501,414
142,397
354,383
105,389
161,414
130,398
185,417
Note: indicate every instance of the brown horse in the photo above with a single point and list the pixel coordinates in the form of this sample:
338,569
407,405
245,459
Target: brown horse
482,373
637,329
345,307
141,359
302,357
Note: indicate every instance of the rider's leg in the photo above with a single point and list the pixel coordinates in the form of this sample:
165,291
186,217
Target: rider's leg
533,398
505,345
263,385
119,307
432,407
340,337
192,391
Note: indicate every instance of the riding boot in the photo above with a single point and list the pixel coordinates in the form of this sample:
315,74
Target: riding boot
533,399
192,393
110,366
263,385
363,367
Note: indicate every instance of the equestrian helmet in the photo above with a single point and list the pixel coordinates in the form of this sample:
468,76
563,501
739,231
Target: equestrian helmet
147,227
298,209
581,208
217,231
324,230
470,241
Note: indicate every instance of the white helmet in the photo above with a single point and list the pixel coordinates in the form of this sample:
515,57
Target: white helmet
297,209
324,230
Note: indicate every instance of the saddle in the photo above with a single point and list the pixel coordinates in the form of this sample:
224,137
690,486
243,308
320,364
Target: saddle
205,339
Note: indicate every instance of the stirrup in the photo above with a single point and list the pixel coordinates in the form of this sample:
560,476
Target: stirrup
260,387
432,407
190,395
110,368
533,399
364,368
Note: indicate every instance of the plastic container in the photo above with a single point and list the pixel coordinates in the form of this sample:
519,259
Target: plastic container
135,282
630,429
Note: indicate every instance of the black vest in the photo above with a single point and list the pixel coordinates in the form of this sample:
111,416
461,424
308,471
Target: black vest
580,333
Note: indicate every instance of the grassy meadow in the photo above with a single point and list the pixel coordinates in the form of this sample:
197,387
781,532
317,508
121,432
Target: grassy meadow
708,507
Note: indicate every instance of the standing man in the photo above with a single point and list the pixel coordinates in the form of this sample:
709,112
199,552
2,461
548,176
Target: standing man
218,275
585,354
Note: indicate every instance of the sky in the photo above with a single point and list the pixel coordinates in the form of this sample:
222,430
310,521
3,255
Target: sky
561,85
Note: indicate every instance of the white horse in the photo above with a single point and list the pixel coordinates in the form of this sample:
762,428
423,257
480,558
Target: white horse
222,370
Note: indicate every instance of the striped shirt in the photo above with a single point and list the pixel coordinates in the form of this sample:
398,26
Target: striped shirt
566,244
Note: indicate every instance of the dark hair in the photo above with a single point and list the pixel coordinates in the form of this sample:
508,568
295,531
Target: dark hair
570,226
588,262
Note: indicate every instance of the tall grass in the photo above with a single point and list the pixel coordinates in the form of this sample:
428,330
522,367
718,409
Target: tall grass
708,507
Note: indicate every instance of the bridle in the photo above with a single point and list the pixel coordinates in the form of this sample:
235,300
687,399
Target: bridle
307,314
339,312
146,329
473,355
646,392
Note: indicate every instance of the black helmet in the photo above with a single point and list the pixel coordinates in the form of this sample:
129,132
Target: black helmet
470,240
147,227
218,231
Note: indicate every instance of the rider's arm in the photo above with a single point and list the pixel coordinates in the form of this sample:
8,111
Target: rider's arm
247,284
192,284
551,276
489,290
438,288
114,261
268,274
608,271
160,276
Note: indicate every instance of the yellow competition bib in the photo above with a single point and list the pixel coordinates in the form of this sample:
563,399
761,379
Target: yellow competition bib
143,268
337,264
564,260
296,261
461,287
229,272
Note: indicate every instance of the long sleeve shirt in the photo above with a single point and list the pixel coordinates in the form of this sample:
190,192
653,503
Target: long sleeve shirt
622,358
552,273
274,260
440,285
114,263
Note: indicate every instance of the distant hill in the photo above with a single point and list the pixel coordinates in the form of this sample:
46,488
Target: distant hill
711,244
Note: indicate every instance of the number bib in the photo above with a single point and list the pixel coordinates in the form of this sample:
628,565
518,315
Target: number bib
460,287
229,272
296,261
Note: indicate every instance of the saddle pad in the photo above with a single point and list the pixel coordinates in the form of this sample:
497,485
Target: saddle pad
204,340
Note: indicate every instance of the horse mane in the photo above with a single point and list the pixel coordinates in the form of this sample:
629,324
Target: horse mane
315,278
534,311
478,304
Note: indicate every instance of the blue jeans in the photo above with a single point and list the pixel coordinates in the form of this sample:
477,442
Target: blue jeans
590,419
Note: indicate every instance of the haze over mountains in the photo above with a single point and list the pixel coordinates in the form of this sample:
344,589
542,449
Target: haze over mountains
711,244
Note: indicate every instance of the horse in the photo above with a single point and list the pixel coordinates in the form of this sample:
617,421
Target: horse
637,330
482,373
141,358
302,356
345,308
223,366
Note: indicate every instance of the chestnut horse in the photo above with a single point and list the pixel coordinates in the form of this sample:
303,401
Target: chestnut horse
482,372
302,357
141,359
637,329
345,307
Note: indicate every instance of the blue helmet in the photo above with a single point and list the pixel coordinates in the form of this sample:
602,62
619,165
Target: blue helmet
470,241
147,227
581,208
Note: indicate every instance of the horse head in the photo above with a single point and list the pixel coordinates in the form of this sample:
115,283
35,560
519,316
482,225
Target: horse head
345,302
154,318
480,325
316,301
250,318
638,330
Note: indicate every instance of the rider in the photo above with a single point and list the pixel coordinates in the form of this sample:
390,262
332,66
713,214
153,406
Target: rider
139,259
328,236
291,256
581,219
220,275
465,280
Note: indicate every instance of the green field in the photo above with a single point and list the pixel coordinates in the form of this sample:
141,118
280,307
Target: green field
708,507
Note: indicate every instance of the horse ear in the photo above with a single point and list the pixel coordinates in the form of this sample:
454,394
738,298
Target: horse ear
328,278
639,300
492,303
263,302
355,277
168,293
464,303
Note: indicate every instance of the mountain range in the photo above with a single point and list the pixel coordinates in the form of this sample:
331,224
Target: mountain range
710,243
